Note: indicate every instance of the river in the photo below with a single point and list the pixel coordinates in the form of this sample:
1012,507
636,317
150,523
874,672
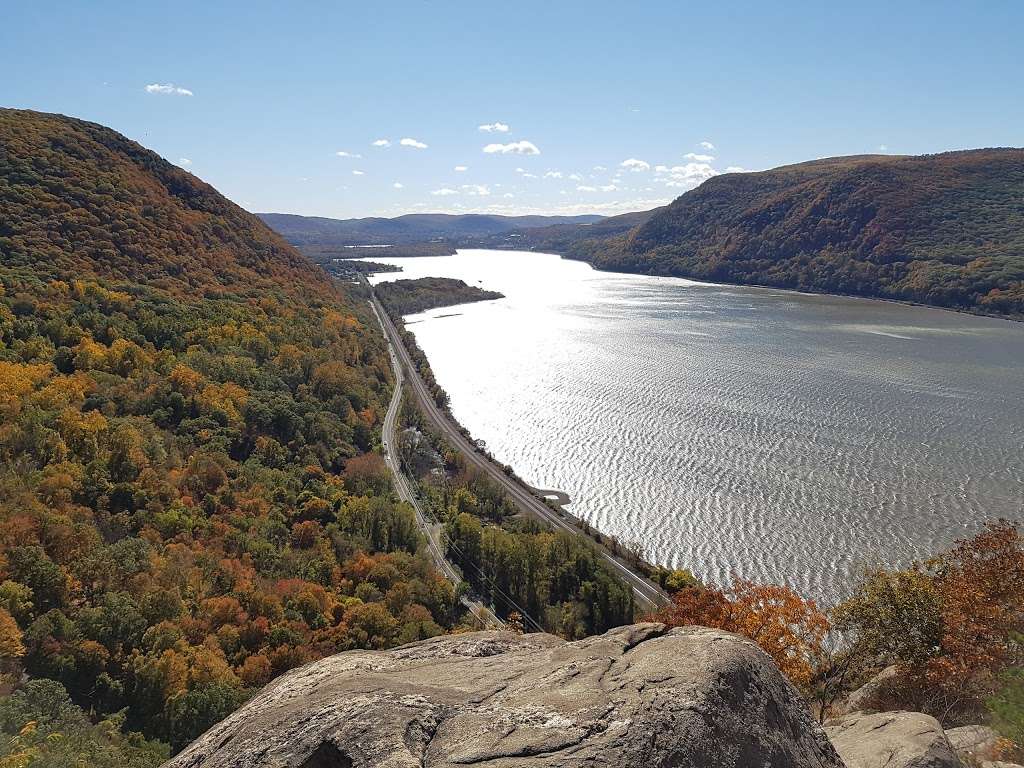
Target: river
780,436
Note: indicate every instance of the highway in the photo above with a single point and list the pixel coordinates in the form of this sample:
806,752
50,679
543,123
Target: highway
432,532
645,591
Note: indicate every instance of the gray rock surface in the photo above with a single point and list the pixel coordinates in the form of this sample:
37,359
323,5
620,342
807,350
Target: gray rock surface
891,740
635,696
973,742
861,700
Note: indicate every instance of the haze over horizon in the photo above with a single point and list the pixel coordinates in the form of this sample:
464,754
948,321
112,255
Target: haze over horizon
336,112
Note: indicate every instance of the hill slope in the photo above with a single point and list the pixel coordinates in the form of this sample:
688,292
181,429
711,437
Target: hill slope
189,501
942,229
411,228
77,196
191,497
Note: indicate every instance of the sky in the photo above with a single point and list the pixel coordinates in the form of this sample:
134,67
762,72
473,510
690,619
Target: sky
557,107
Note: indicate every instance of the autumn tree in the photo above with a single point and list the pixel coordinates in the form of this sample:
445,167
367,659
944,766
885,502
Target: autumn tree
788,628
952,625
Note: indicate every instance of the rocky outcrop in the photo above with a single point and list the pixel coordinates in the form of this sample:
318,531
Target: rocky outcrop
973,742
892,740
865,698
635,696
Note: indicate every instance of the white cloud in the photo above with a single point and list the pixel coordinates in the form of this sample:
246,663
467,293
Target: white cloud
477,190
553,175
343,153
398,185
602,188
585,188
687,176
184,162
736,169
707,145
461,168
635,165
698,158
382,143
575,177
168,89
508,195
520,170
444,192
568,207
358,173
512,148
883,148
608,188
600,168
493,128
414,143
529,176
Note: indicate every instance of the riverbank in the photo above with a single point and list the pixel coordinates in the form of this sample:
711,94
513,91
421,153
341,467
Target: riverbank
627,565
699,421
791,289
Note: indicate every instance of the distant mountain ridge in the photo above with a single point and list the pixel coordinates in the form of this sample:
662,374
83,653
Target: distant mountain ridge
945,230
411,228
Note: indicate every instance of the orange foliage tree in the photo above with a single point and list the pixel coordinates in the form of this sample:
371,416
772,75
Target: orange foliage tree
951,625
787,627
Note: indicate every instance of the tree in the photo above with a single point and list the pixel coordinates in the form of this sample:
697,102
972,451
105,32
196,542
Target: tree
788,628
43,728
190,714
894,614
370,626
952,625
1006,707
32,567
12,649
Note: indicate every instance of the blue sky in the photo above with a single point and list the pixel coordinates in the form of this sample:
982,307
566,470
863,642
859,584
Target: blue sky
262,96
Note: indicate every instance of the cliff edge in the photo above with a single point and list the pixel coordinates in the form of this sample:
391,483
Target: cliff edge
636,696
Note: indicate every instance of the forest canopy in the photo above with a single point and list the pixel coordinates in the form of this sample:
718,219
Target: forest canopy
190,498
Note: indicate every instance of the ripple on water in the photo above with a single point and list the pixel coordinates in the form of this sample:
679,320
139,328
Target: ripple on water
783,437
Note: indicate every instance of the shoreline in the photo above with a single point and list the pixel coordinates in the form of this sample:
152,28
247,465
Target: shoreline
634,567
861,297
786,289
668,558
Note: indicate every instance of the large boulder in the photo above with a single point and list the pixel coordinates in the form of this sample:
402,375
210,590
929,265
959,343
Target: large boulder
973,742
636,696
892,740
864,699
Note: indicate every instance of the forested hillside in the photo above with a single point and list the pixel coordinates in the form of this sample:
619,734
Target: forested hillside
411,228
409,297
189,504
191,497
946,230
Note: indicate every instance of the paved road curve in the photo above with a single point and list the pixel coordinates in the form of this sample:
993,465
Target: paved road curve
646,592
432,532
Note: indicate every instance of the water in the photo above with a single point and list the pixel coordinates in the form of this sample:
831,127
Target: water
784,437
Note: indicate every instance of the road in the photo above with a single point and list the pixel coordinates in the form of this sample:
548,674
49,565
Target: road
432,532
644,590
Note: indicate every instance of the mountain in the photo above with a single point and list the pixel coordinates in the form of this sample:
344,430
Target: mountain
80,199
190,501
946,230
411,228
563,237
